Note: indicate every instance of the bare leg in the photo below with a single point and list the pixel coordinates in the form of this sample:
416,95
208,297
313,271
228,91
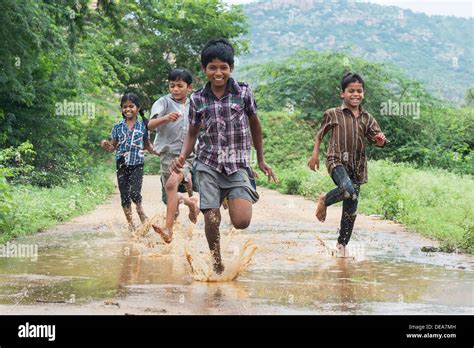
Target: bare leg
173,200
193,205
189,185
342,251
212,220
240,212
191,202
321,208
128,215
141,213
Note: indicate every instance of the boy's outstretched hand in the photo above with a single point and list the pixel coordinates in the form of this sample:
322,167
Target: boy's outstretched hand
380,139
313,163
264,167
177,164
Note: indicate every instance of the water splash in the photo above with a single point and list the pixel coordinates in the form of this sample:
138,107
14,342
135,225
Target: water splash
201,270
200,266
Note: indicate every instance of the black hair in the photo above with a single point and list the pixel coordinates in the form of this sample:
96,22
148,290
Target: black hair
132,97
350,78
180,74
220,49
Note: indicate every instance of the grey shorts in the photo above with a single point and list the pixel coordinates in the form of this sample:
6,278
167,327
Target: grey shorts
215,186
165,164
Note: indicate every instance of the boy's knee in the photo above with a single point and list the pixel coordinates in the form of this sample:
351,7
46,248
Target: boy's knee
353,196
171,184
241,223
349,191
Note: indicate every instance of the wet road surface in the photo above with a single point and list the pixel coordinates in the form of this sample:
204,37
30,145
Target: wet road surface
91,265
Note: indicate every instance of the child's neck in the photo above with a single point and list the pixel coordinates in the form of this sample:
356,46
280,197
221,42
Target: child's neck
218,91
131,122
355,111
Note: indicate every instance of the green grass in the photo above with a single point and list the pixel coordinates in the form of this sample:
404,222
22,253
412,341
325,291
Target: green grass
152,164
433,202
38,208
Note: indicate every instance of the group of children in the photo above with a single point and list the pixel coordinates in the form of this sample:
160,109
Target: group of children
222,118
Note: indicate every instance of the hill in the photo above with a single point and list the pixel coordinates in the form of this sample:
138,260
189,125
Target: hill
437,50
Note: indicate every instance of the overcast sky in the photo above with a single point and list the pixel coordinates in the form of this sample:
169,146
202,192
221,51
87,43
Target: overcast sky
458,8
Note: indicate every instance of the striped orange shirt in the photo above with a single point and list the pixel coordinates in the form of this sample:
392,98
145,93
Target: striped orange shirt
346,143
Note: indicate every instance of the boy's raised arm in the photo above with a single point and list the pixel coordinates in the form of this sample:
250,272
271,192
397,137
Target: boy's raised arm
158,116
156,122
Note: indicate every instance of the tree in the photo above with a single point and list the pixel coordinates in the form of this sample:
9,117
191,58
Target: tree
469,97
56,51
431,133
163,34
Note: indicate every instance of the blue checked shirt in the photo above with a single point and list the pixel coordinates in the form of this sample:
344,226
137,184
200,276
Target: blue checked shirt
130,143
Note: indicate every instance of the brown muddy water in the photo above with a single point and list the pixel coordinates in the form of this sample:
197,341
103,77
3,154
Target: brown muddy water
284,263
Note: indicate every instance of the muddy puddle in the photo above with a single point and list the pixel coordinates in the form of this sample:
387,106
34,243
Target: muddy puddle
284,263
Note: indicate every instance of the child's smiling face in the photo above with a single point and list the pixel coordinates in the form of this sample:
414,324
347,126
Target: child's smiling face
218,72
179,89
353,95
129,110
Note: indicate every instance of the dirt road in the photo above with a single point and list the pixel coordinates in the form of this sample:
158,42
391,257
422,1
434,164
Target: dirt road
91,265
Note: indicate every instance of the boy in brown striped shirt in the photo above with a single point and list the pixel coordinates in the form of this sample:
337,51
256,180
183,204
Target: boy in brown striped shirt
346,162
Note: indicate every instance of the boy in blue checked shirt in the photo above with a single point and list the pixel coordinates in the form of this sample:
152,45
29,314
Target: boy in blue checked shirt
227,112
129,139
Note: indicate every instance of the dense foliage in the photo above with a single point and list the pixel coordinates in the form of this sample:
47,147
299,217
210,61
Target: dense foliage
422,129
65,63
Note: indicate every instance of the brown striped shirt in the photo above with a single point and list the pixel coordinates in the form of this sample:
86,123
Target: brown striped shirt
346,143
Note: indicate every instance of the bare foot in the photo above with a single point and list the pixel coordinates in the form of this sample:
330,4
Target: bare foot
342,251
131,228
164,233
219,267
193,210
321,208
141,213
176,215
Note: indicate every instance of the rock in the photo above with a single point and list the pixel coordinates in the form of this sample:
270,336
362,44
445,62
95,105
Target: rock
429,249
